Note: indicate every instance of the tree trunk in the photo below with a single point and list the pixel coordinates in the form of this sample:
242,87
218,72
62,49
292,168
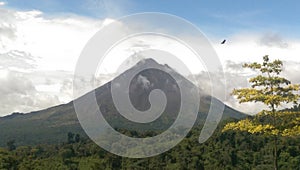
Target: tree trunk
275,157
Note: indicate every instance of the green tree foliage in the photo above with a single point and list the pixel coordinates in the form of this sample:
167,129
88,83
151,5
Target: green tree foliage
77,138
70,137
73,138
273,91
224,150
11,145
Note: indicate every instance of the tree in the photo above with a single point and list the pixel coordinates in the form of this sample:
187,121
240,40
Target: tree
11,145
77,138
70,137
273,91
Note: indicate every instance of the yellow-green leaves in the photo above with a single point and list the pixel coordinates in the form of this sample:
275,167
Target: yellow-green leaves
251,127
274,67
294,131
273,91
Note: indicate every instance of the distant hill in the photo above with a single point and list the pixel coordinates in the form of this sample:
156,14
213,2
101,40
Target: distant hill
51,125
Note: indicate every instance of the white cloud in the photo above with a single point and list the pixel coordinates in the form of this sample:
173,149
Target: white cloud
149,46
273,40
38,54
17,60
2,3
58,41
18,94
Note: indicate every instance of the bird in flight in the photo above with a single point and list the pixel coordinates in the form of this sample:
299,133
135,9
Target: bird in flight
223,42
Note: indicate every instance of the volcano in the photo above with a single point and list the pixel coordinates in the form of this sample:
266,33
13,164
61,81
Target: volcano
51,125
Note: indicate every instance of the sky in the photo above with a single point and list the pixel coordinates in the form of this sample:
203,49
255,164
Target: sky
40,42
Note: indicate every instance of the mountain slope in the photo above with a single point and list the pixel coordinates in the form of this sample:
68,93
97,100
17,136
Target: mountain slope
51,125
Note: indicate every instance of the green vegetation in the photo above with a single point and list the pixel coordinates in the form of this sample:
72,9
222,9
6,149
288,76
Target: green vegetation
273,91
224,150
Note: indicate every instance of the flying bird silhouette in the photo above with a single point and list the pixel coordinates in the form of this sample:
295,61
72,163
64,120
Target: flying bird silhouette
223,42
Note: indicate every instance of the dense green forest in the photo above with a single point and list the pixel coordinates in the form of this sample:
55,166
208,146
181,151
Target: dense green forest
224,150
